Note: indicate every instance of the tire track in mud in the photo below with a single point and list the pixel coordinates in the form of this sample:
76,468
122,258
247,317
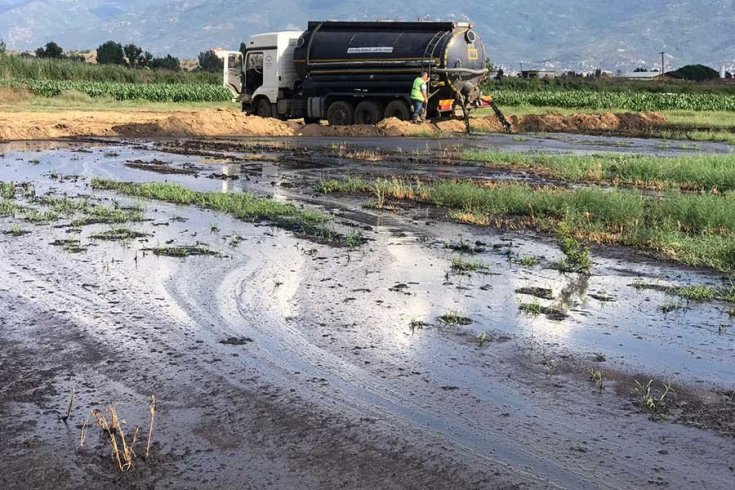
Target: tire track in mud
221,298
282,351
90,311
553,436
237,302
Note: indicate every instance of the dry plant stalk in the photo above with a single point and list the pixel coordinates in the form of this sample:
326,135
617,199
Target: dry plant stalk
109,422
71,403
83,435
150,428
121,452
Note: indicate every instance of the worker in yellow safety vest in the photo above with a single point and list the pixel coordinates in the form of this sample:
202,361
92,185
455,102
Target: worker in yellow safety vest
420,95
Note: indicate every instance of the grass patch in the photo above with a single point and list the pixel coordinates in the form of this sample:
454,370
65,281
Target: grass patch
653,400
465,267
40,217
529,261
8,208
70,245
709,135
610,99
534,309
183,251
709,119
577,257
454,319
537,292
245,206
119,234
83,211
692,229
699,292
101,215
7,190
695,172
16,230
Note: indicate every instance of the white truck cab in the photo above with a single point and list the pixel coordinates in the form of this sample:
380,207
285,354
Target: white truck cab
267,72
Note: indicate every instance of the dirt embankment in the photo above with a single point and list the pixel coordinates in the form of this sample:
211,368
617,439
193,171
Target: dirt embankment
214,123
579,123
631,122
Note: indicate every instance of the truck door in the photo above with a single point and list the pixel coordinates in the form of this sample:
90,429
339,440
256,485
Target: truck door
233,73
253,72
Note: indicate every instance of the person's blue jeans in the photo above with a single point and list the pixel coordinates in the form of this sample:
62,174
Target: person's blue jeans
418,108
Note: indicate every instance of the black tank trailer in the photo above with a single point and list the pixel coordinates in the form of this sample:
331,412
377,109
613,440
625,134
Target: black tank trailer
362,72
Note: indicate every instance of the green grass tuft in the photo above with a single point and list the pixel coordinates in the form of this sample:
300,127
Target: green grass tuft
695,172
245,206
454,319
461,266
693,229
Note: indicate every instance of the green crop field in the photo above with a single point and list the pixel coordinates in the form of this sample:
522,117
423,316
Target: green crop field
152,92
631,101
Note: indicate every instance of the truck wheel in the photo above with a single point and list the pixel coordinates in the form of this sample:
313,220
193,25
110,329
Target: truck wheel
368,112
263,108
399,109
340,113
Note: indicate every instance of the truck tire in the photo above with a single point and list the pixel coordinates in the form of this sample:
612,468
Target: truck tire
340,113
399,109
263,108
368,112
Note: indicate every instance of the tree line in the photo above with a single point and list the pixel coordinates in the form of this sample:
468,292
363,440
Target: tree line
130,55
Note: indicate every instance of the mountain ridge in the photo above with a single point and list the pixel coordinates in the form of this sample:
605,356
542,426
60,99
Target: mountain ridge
558,34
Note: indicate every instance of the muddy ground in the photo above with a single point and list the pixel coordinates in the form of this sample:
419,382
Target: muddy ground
285,363
16,126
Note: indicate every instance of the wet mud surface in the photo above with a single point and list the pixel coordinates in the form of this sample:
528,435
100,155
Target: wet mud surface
279,362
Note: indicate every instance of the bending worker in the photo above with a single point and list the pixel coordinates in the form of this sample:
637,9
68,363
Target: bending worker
420,95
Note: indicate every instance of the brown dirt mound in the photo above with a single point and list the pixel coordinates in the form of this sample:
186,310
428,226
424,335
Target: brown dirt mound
396,127
41,125
207,123
489,124
581,123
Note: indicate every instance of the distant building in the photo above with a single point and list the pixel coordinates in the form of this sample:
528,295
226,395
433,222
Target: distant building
643,76
538,74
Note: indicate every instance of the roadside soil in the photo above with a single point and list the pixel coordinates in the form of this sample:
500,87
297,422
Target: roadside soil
218,123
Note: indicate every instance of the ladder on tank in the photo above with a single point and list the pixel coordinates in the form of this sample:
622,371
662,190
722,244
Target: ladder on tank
429,59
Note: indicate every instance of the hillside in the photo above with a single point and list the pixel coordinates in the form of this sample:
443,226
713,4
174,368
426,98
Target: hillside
559,33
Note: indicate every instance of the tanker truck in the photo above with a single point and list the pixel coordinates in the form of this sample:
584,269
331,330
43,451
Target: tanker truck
357,72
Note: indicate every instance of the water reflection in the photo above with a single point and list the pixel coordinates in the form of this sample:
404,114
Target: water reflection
574,293
226,180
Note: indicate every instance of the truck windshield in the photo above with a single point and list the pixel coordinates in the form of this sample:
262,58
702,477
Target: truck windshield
253,72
